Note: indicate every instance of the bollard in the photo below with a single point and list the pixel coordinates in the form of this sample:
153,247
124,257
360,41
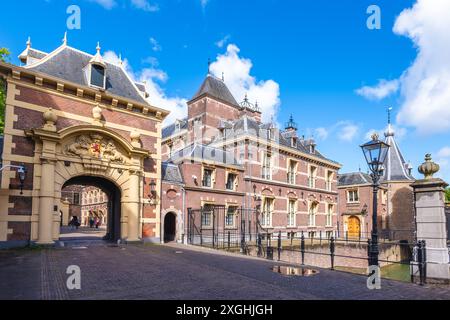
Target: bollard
332,248
302,248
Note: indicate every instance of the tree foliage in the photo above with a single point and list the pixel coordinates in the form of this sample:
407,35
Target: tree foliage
4,55
447,194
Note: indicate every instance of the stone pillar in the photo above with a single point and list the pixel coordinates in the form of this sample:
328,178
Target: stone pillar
431,221
65,212
131,207
46,202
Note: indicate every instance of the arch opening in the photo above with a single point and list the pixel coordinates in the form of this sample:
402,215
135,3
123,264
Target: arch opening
170,227
92,209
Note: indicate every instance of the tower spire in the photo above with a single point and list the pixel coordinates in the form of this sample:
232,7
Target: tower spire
64,40
29,42
209,66
389,130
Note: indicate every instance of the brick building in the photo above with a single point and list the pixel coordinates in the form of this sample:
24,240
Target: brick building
395,198
223,155
74,119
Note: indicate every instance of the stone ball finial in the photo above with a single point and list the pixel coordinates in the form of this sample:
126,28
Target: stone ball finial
428,168
97,113
135,138
50,119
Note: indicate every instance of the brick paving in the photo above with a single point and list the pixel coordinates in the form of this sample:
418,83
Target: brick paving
177,272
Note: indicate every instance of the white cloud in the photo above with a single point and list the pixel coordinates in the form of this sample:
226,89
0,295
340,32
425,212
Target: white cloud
348,131
145,5
107,4
444,152
155,45
240,82
321,133
203,3
426,84
383,89
157,97
223,41
344,130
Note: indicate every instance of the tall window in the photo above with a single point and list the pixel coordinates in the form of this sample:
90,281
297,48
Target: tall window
267,167
312,214
207,215
207,177
329,182
352,196
330,215
291,213
312,176
231,181
266,220
230,217
98,76
76,198
291,172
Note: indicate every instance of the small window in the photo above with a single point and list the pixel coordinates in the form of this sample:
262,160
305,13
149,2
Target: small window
207,177
76,198
352,196
231,181
98,76
230,217
291,213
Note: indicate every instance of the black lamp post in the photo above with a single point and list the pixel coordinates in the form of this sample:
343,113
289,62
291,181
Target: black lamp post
22,171
375,152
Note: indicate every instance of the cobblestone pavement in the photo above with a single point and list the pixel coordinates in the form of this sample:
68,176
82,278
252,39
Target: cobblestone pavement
177,272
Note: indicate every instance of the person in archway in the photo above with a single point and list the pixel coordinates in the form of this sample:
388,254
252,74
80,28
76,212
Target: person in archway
91,221
96,220
74,222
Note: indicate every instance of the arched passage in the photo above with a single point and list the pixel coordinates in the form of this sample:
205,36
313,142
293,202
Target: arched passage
113,223
170,227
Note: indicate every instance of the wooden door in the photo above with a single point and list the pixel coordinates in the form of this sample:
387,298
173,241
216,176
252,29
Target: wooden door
354,227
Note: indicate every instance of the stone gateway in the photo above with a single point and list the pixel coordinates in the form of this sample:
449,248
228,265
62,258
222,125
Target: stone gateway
66,126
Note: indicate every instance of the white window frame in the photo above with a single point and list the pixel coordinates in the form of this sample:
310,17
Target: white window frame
351,199
330,211
292,210
312,212
266,217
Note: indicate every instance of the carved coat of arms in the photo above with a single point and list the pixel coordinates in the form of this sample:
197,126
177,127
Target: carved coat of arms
95,146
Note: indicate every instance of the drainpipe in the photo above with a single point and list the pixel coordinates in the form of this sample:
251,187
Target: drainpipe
183,227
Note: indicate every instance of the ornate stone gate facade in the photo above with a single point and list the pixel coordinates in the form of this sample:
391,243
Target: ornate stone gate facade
61,128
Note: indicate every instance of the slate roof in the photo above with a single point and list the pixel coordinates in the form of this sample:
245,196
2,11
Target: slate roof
216,88
396,168
249,126
171,173
172,128
203,152
354,178
70,64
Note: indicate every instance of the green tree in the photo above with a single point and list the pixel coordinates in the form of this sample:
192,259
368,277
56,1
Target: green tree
447,194
4,55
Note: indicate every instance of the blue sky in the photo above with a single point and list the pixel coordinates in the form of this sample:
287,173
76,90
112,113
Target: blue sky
307,58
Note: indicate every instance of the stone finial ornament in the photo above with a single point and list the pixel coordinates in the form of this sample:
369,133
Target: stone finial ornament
97,114
50,119
135,139
428,168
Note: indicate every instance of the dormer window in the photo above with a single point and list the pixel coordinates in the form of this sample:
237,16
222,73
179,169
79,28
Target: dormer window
294,142
98,76
97,71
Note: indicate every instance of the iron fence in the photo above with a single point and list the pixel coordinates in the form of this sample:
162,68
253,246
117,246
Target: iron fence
213,227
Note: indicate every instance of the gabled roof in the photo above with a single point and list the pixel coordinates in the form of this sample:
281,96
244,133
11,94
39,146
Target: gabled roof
354,178
171,173
395,166
70,64
215,88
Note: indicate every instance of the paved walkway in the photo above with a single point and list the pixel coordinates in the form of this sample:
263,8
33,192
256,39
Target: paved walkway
177,272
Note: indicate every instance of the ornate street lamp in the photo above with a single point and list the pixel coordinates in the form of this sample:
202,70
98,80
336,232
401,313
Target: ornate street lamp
153,194
22,171
375,152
